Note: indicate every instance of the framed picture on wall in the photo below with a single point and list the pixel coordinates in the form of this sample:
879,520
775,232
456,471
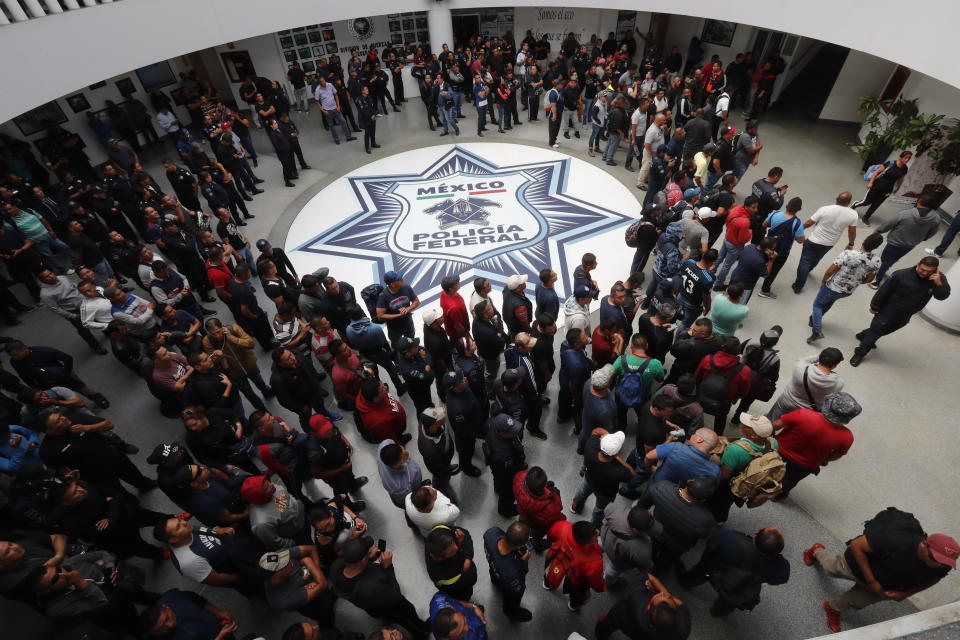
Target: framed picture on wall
331,47
305,53
238,65
290,56
300,39
423,36
394,25
408,24
37,119
328,35
286,42
319,52
126,87
78,102
308,66
154,76
314,36
421,23
719,32
97,85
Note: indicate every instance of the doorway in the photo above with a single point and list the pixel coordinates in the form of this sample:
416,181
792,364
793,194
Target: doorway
766,44
465,27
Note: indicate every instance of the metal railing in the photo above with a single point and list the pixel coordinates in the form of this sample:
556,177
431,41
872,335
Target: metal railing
12,11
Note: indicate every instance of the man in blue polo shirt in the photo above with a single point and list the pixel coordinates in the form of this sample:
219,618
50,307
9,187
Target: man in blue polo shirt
679,462
453,619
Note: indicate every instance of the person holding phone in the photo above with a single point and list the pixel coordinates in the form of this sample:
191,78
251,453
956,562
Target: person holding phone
904,294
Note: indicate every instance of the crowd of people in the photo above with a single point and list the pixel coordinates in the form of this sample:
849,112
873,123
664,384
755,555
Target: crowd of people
271,506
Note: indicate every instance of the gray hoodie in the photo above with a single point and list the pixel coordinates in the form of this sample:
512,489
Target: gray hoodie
575,316
62,298
625,549
910,227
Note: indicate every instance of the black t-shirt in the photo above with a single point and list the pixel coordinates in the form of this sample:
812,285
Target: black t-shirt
752,267
296,77
724,154
228,231
604,477
659,338
393,302
885,182
509,572
245,89
86,248
894,560
330,453
651,430
243,295
631,615
693,282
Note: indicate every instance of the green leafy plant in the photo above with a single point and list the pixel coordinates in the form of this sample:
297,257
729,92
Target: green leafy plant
945,156
900,127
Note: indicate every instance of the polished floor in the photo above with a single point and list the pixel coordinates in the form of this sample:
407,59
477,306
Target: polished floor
904,454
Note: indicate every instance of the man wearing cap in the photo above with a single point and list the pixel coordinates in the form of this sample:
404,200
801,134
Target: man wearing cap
810,440
506,457
813,378
518,356
736,237
417,371
438,345
365,576
695,236
455,318
329,456
517,308
605,471
465,416
277,518
737,564
436,445
625,537
395,305
894,559
757,440
683,514
598,405
281,261
701,162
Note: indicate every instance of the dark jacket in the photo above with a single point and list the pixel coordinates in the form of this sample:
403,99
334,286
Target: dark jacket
512,360
689,352
490,339
516,307
903,294
298,387
575,368
414,373
44,367
617,121
438,345
464,414
436,451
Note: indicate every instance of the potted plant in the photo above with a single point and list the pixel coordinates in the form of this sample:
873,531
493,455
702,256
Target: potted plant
900,127
945,160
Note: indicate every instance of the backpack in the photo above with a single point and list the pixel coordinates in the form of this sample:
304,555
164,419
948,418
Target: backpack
631,391
563,559
893,518
762,479
735,141
370,294
784,233
632,234
871,169
712,198
715,388
738,586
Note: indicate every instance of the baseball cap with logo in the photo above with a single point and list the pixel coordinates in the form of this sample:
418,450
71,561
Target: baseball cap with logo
502,423
944,549
405,343
274,561
516,280
761,425
392,276
164,451
431,415
431,315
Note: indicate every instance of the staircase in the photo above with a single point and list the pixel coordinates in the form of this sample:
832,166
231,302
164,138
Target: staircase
806,94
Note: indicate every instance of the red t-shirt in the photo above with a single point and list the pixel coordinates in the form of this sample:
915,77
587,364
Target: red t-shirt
346,382
219,275
602,348
455,318
809,440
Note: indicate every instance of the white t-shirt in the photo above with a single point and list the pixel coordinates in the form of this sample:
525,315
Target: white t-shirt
654,137
638,118
832,220
443,512
723,104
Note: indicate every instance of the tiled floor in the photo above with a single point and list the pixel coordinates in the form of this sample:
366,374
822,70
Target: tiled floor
904,454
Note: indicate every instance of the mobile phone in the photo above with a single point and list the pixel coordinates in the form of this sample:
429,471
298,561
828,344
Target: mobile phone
382,545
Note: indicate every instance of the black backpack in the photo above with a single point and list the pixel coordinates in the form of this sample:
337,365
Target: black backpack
784,233
893,518
715,388
370,294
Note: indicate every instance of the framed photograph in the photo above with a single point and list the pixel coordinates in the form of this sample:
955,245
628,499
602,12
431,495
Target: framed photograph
305,53
331,47
314,36
284,32
395,25
154,76
409,38
97,85
396,38
177,96
298,29
78,102
718,32
313,26
422,23
238,65
126,87
300,39
286,42
408,24
328,35
37,119
308,66
290,56
319,52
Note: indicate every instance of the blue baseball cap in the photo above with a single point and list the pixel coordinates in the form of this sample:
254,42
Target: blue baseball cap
692,191
263,244
392,276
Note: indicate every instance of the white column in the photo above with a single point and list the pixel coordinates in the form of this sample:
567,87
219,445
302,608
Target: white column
71,4
53,6
440,23
945,314
17,12
33,6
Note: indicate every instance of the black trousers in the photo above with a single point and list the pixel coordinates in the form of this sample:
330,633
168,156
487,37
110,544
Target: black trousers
511,111
794,474
398,88
880,326
874,198
534,410
259,328
369,134
84,333
288,164
554,129
347,111
503,486
382,357
533,106
433,116
774,270
382,98
466,444
298,151
405,615
237,204
420,394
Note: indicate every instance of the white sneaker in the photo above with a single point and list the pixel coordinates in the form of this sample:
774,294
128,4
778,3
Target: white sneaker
555,145
932,252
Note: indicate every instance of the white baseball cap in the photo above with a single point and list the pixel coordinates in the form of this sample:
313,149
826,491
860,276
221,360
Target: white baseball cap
431,315
516,280
706,212
611,443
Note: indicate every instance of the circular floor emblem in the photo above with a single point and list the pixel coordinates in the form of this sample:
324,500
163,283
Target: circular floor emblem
360,28
480,209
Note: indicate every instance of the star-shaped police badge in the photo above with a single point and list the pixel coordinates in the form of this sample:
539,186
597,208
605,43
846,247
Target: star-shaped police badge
465,215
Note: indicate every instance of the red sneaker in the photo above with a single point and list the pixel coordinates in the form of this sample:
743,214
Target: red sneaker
833,617
808,558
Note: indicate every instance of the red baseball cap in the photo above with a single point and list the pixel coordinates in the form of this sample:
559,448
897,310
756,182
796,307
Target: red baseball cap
944,549
321,426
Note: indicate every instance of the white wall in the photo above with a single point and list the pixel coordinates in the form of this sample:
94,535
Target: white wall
74,49
861,74
936,97
266,57
558,21
682,28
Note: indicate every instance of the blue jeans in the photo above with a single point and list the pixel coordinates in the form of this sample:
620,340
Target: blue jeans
334,119
891,253
810,256
584,492
745,298
48,246
501,117
587,103
243,385
740,169
447,115
613,141
690,315
712,179
481,118
104,272
248,256
457,101
633,152
729,254
595,139
822,303
949,235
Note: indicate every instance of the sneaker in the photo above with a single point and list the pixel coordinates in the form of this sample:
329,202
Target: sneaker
566,134
575,509
333,416
873,285
520,615
856,360
131,449
576,134
571,607
833,617
472,471
932,252
808,557
858,203
405,438
544,585
555,145
816,335
359,481
770,295
538,434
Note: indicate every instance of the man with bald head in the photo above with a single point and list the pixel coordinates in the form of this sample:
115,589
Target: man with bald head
828,223
678,462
